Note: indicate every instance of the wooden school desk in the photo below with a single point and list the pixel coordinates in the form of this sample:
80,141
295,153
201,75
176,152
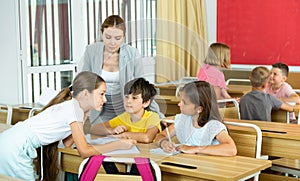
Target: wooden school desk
233,90
207,167
279,139
168,104
20,112
168,90
237,90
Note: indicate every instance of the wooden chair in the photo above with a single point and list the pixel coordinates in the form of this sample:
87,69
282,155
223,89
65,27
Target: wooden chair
280,116
34,111
181,83
5,113
248,140
244,81
283,116
127,162
229,111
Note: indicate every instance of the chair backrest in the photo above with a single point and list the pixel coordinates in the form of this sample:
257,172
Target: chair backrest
248,140
247,137
244,81
283,116
280,116
182,82
127,162
5,113
229,111
34,111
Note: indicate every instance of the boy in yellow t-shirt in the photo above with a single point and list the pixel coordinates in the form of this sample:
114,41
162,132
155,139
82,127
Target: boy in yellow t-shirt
137,122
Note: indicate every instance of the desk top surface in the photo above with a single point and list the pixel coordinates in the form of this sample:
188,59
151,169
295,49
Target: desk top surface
209,167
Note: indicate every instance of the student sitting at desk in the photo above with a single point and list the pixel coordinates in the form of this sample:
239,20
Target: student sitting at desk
62,119
136,123
218,56
198,128
256,104
279,87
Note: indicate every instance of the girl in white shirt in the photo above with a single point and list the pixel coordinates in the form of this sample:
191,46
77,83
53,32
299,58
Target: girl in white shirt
62,119
198,128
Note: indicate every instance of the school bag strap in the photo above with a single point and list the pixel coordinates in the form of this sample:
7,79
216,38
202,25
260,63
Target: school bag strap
143,165
93,164
91,168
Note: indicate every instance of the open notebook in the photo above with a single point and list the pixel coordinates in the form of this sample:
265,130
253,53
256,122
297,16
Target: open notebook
162,152
104,140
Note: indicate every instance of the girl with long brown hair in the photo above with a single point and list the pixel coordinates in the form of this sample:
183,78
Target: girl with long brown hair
199,127
62,119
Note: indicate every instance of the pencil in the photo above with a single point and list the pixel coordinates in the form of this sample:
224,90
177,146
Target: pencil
169,137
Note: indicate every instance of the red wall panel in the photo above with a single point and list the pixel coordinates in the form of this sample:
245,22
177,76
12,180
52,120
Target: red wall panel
260,31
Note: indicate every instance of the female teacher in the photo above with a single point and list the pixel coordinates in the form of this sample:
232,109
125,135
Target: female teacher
117,63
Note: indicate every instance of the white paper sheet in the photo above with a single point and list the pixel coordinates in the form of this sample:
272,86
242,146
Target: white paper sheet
104,140
162,152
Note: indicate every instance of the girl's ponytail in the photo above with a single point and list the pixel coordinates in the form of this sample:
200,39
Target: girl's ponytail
64,95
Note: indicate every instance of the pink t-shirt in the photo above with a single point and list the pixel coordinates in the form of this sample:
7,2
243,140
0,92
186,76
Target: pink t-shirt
283,92
212,75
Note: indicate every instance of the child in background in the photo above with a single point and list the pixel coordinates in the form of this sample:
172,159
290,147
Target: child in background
279,88
198,128
256,104
218,57
136,123
62,119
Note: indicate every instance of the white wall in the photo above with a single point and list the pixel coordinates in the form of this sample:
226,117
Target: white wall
10,71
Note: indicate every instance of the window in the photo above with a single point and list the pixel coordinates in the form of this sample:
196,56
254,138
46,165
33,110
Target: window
55,32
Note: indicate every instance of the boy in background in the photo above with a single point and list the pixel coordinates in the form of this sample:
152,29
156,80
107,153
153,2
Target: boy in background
257,105
278,86
136,122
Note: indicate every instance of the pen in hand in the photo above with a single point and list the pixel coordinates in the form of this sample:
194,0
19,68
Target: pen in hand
169,137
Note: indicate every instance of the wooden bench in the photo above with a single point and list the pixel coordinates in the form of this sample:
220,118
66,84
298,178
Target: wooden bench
293,77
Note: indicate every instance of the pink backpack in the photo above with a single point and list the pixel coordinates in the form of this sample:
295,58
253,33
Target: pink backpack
93,164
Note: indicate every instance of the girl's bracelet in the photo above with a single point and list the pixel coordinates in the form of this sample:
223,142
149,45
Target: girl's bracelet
162,141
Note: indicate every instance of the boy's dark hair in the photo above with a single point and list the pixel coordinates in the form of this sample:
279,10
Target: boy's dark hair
140,86
283,67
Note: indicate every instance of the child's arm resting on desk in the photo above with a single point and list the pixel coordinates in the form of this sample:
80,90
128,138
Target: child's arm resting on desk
86,150
146,137
225,148
292,98
105,129
287,107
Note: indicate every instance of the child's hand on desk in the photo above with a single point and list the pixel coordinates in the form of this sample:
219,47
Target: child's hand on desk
121,135
187,149
168,146
119,129
126,143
